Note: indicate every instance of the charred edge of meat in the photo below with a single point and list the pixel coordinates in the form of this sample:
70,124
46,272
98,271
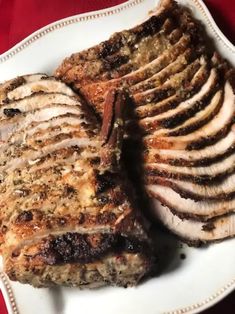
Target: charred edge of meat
197,162
181,117
13,85
105,181
11,112
192,27
181,215
80,248
208,226
113,62
230,75
196,125
24,216
204,179
112,129
188,194
112,46
185,92
211,139
118,40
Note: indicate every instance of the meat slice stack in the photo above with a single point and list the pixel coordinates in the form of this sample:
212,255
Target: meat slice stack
67,215
182,118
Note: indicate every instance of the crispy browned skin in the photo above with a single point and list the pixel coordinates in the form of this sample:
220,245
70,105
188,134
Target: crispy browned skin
181,127
68,215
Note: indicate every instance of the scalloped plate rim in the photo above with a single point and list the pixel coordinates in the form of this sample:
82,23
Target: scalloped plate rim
23,44
20,46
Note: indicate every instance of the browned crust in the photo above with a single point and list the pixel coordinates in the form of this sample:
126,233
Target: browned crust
172,86
108,51
188,194
184,215
198,124
204,179
210,140
84,248
180,117
8,86
192,162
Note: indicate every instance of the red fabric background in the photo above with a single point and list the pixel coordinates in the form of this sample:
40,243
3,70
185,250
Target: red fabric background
19,18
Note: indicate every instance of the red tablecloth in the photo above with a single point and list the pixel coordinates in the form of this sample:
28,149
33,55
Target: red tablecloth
19,18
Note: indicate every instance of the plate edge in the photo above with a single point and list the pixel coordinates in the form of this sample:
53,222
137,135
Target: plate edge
208,302
63,23
7,294
6,288
105,12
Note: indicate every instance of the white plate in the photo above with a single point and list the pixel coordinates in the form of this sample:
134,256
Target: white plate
185,286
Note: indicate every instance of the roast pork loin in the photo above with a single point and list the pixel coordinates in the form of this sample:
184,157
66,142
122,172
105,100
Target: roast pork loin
181,126
68,213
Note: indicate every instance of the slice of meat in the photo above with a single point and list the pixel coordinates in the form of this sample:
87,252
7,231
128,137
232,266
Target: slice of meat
223,190
170,87
66,203
200,157
33,102
178,65
44,85
9,126
203,210
182,112
10,85
208,134
55,123
198,120
193,231
200,175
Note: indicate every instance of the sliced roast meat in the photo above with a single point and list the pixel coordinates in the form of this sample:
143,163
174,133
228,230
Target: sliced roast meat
201,118
49,85
10,126
170,87
65,198
200,157
201,175
96,58
165,74
30,155
183,111
33,102
68,119
8,86
192,231
208,134
134,77
201,210
219,191
180,138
